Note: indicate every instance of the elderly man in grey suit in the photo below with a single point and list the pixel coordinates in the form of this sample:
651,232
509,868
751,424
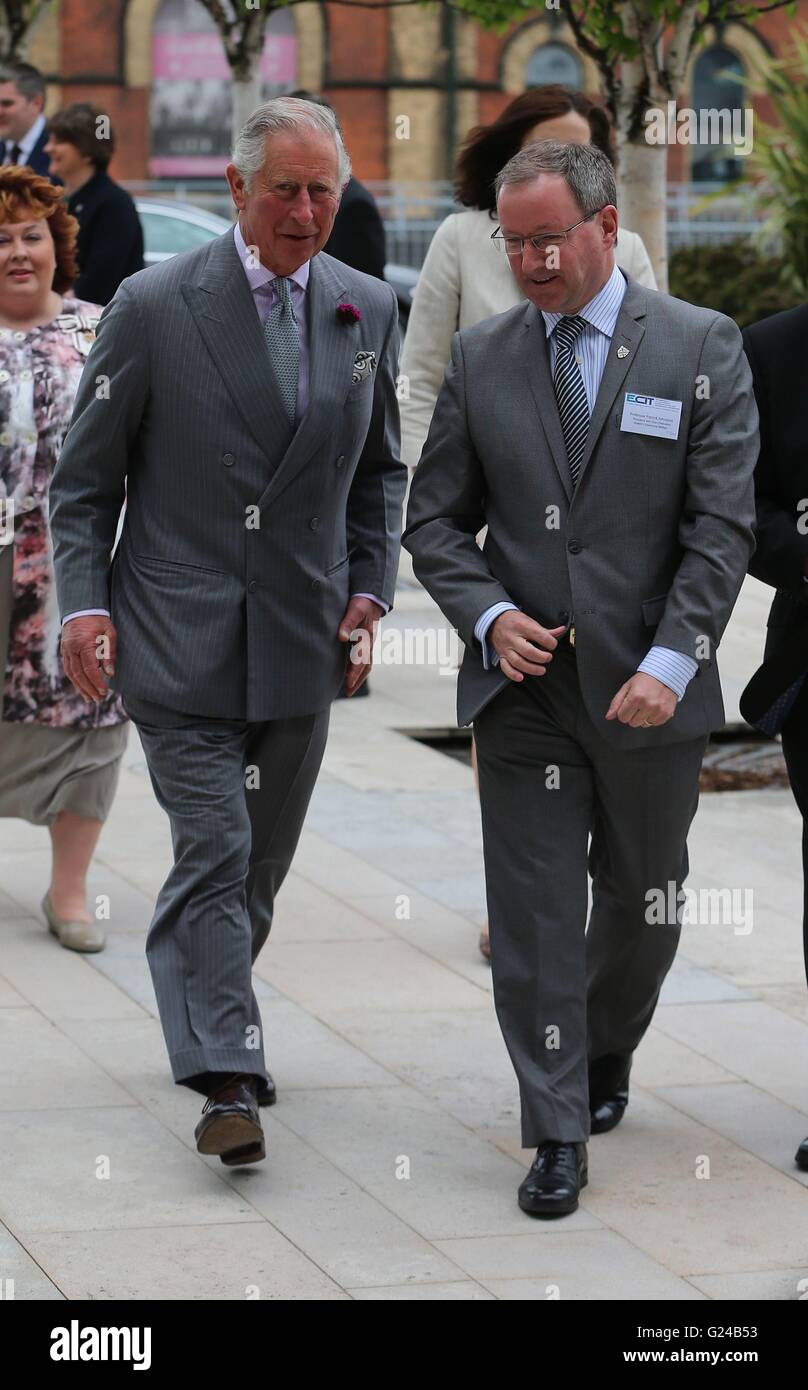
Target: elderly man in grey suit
247,393
606,435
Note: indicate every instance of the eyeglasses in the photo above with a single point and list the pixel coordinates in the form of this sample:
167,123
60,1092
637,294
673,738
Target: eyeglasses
515,245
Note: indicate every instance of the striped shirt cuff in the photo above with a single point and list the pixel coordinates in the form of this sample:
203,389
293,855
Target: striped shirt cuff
674,669
490,657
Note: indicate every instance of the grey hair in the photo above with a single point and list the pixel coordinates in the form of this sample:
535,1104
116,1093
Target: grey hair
285,113
587,171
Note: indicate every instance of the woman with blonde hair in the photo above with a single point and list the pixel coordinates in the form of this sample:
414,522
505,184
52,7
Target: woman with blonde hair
60,755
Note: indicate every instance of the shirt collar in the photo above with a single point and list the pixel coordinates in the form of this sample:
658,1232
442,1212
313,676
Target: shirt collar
258,276
30,137
602,310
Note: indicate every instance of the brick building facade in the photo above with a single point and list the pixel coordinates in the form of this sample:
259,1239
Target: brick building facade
407,82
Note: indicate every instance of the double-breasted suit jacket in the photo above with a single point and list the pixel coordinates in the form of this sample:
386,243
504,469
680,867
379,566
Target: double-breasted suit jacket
243,538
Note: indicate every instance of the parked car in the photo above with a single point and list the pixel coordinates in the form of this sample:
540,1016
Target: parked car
170,227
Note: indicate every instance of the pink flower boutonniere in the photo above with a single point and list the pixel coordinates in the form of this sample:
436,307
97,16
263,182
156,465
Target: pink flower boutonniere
348,313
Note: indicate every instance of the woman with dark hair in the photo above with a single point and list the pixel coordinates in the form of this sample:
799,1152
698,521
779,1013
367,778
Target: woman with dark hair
60,755
465,278
110,241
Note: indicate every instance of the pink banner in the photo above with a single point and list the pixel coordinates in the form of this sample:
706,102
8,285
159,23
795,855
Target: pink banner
183,166
197,57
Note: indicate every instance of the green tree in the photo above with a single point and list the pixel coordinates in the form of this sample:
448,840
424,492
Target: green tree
781,155
642,48
17,19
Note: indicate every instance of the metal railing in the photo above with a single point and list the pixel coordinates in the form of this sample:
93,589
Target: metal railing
697,213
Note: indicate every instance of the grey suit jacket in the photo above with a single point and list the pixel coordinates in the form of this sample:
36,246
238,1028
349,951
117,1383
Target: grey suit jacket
242,541
654,544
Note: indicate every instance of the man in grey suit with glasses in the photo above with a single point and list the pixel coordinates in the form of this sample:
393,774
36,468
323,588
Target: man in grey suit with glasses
245,393
606,436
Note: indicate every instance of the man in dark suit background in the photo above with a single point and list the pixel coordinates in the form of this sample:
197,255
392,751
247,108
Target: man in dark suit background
357,237
776,698
22,118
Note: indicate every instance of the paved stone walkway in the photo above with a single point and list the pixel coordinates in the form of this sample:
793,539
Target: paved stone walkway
393,1150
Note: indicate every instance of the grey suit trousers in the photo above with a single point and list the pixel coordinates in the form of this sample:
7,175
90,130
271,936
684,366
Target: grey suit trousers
568,999
236,794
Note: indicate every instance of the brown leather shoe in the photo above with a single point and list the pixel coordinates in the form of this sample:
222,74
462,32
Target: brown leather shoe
231,1125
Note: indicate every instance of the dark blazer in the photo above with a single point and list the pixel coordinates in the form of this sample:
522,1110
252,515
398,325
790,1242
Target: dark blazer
357,237
37,160
243,538
777,349
110,240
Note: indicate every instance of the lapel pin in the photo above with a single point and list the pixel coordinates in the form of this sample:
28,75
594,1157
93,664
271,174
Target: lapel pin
622,352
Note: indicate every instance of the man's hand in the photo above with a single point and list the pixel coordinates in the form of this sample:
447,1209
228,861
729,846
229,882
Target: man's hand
523,645
88,645
361,616
643,701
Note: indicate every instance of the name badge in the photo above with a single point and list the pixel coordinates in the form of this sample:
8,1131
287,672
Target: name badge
651,415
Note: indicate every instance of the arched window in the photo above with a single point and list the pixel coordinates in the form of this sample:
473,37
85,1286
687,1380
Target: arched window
718,95
191,92
554,62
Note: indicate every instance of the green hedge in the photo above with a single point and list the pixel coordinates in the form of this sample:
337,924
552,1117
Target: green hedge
734,277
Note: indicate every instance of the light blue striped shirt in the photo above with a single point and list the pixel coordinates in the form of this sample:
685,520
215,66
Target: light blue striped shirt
673,668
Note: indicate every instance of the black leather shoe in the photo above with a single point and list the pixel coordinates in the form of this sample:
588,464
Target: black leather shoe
801,1156
230,1125
267,1095
557,1174
608,1093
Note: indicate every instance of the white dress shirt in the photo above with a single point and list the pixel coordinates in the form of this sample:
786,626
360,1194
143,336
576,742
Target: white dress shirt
26,144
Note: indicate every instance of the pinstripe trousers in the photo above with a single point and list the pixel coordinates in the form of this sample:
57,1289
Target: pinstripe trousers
236,794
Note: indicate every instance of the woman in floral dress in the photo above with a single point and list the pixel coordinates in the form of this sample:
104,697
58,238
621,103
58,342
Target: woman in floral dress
60,755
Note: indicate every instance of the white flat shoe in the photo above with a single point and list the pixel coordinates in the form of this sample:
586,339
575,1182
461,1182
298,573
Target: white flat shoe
74,936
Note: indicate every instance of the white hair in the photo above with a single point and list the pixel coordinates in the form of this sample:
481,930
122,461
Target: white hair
285,113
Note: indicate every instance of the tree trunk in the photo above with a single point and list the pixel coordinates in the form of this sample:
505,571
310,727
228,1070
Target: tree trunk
642,207
246,94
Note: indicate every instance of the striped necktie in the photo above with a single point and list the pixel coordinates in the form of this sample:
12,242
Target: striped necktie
568,382
280,332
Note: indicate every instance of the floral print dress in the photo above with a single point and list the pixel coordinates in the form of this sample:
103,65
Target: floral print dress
39,375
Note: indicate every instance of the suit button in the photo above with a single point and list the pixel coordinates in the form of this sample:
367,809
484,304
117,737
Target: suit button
341,461
228,460
314,523
252,586
315,583
564,616
574,547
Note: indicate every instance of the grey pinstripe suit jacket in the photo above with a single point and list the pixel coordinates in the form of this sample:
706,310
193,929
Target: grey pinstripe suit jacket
652,546
241,541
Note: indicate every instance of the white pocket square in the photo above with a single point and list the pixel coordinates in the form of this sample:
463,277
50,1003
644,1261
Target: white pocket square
364,362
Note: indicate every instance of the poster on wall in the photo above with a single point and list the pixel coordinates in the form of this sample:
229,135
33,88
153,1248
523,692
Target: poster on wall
191,93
